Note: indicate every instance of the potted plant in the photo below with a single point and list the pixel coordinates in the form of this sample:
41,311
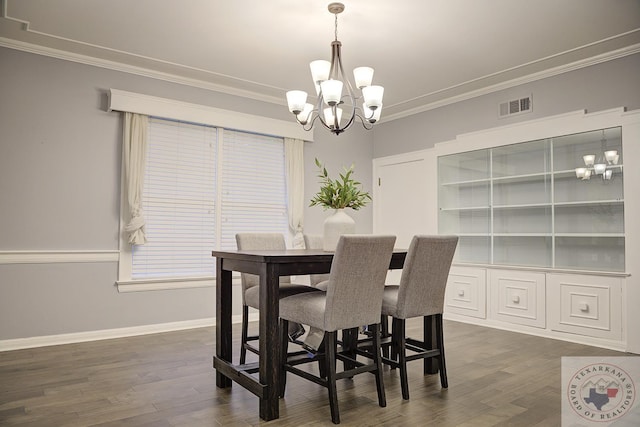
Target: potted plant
338,194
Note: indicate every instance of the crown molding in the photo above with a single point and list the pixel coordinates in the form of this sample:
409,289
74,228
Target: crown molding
598,59
280,100
139,71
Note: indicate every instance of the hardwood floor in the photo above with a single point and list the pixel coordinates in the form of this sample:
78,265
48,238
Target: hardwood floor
496,378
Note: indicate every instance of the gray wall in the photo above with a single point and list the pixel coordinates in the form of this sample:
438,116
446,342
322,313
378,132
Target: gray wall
60,178
599,87
60,190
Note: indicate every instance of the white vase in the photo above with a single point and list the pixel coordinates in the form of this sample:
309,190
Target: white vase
335,226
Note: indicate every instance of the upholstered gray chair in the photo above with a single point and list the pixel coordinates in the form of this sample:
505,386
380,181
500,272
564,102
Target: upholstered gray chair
420,294
314,241
353,298
250,282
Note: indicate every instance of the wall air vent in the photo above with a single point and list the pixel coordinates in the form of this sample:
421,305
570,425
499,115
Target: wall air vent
515,106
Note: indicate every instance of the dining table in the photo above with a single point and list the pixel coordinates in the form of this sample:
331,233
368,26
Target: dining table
261,378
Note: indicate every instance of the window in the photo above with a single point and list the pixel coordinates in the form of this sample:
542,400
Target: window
202,185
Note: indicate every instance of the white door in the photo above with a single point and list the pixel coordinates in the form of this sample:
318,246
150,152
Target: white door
405,198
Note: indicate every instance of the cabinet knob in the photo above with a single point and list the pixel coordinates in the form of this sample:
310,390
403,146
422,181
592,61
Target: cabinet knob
515,299
584,307
460,292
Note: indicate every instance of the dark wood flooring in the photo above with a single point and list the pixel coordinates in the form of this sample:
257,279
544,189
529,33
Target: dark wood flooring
496,378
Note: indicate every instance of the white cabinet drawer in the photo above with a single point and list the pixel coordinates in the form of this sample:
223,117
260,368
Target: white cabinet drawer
585,305
517,297
466,292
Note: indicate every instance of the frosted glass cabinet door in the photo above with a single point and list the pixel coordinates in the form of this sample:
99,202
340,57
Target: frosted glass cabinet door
521,174
463,201
527,158
524,204
589,213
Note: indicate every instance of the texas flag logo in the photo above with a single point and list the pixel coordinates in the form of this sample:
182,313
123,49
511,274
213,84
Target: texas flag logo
600,394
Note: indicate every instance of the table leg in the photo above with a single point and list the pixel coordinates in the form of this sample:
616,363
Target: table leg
224,349
349,344
269,341
430,364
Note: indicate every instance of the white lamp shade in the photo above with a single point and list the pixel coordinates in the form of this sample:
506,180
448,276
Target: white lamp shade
329,118
373,96
370,115
331,91
607,174
363,76
587,174
599,168
320,70
589,159
296,100
305,114
580,172
611,156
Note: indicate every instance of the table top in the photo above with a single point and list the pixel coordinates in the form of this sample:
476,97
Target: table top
285,256
289,262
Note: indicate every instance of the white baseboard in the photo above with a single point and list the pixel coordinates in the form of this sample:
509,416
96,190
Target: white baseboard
539,332
105,334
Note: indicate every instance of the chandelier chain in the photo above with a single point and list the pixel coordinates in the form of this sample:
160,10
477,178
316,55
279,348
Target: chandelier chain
336,27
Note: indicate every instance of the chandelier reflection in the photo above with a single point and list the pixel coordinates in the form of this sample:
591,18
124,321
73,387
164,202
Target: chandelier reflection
603,164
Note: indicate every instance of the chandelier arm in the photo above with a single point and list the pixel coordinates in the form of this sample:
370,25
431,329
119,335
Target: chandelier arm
319,111
310,122
338,72
365,123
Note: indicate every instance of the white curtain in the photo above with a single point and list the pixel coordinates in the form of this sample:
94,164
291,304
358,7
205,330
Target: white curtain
294,172
134,154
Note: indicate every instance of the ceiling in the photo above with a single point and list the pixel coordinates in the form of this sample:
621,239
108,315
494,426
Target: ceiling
426,53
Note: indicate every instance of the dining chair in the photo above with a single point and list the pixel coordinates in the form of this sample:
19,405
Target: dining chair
314,241
419,294
353,298
250,282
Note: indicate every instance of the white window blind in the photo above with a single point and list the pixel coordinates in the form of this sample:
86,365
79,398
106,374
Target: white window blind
178,202
185,164
254,197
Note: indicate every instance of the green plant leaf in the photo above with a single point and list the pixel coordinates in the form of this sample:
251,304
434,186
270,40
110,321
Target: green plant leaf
341,193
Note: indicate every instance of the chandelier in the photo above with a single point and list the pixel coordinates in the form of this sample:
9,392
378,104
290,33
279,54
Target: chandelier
602,165
335,110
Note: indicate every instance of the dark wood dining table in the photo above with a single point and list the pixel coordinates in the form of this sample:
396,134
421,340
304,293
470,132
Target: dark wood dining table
269,266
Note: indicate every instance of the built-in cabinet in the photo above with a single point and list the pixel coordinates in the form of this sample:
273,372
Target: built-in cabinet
576,307
544,249
523,205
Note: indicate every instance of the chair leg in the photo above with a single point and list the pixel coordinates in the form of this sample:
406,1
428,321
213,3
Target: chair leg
384,333
429,342
245,334
377,359
284,348
321,364
402,356
330,344
395,345
440,343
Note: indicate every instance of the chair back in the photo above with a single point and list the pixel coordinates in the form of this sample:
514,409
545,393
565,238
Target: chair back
314,241
259,241
424,276
356,281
